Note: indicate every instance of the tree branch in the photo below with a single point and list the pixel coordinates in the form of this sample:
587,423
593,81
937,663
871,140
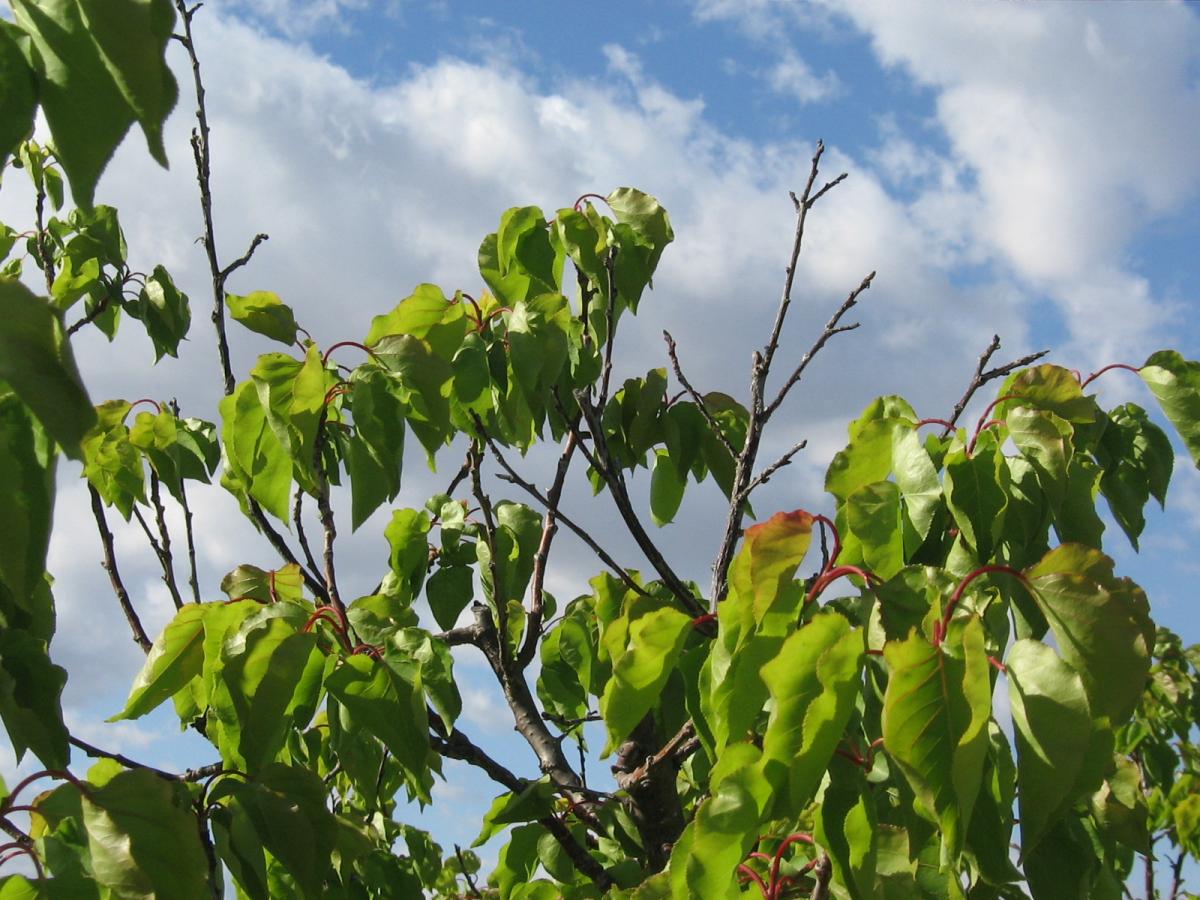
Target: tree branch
114,575
615,479
696,398
980,378
512,477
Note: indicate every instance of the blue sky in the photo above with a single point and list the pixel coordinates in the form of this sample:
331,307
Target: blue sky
1021,169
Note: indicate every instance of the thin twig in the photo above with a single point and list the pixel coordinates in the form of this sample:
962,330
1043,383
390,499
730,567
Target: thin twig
244,258
510,475
611,472
301,537
980,378
164,551
533,627
823,873
328,523
97,753
696,398
114,575
765,475
193,575
760,413
472,891
832,327
679,747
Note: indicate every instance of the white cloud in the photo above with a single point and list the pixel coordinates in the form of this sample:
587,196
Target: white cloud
793,77
1070,126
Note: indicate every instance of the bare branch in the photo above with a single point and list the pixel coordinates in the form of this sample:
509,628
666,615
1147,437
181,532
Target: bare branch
980,378
832,327
696,398
533,627
298,522
193,576
472,891
765,475
761,369
244,258
823,874
512,477
114,575
97,753
164,549
615,479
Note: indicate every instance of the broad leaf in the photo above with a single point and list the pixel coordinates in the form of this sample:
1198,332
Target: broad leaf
655,642
935,714
30,698
1101,624
144,838
175,659
264,313
1175,381
27,466
1054,728
18,96
814,682
36,361
770,554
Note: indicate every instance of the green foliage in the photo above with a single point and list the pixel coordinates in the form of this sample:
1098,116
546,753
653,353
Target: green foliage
824,731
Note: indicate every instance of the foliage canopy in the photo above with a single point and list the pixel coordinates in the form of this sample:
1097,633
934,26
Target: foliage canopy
828,734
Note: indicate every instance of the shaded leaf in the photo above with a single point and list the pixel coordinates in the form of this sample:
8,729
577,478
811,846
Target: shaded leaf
264,313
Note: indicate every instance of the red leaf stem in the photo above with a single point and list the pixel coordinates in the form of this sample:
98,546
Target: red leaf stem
833,575
363,347
1108,368
939,631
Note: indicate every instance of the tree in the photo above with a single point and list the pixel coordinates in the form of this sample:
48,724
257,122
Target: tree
829,734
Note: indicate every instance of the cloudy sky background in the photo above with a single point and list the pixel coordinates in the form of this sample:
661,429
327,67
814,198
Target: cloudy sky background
1026,170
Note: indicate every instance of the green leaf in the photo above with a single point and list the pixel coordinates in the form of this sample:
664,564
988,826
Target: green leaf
267,672
767,562
428,315
1052,389
256,461
814,682
87,113
144,838
535,801
976,492
1175,381
935,714
27,465
385,705
1054,728
292,394
265,586
30,698
112,463
655,642
407,536
723,831
1045,440
376,458
264,313
423,374
847,826
36,361
667,484
875,517
416,647
449,590
646,217
18,93
518,859
175,659
1137,460
917,479
286,806
165,312
1101,624
132,37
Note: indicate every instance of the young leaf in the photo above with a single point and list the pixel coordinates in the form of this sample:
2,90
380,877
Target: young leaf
770,554
875,517
264,313
256,461
1175,381
1137,460
36,361
165,312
